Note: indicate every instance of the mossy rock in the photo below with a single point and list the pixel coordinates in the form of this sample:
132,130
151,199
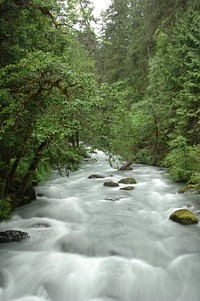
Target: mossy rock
127,181
111,184
96,176
127,188
184,217
189,188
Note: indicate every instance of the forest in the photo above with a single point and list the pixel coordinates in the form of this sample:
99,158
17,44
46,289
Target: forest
132,89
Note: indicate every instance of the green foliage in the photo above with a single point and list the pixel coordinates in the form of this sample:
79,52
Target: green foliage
43,171
183,161
153,46
65,159
47,84
5,209
144,156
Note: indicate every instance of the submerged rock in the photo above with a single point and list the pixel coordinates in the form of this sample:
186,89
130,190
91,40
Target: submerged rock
12,236
111,184
127,181
115,198
127,188
40,195
41,225
184,217
96,176
87,156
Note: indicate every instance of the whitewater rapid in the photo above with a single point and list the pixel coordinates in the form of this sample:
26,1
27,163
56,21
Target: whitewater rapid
89,242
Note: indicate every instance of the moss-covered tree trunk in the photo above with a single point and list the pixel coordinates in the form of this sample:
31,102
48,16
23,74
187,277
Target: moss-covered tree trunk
34,164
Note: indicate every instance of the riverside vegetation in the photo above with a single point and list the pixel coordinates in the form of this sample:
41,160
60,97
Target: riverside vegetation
132,90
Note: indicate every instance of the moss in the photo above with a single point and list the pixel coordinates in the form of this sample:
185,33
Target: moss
189,187
5,209
111,184
127,181
184,217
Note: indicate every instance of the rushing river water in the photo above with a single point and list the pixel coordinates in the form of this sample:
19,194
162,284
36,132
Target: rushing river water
93,243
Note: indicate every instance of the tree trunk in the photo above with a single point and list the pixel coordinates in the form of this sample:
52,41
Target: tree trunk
156,133
4,174
34,164
16,163
77,138
126,165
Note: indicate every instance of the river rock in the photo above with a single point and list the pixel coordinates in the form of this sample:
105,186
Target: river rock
190,188
127,181
40,195
127,188
111,184
184,217
12,236
93,152
96,176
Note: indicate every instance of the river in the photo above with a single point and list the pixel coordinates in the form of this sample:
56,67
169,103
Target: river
89,242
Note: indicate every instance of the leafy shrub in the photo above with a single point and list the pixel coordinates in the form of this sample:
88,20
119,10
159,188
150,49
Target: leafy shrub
43,171
183,161
144,156
5,209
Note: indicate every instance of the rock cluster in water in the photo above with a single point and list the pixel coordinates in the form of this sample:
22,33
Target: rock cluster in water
184,217
122,181
12,236
114,184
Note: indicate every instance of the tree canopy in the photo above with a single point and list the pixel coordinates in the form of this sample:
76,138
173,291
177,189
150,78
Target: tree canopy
150,50
47,88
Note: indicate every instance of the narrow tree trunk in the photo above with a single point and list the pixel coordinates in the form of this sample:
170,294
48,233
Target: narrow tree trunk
34,164
16,163
4,174
126,165
77,138
156,133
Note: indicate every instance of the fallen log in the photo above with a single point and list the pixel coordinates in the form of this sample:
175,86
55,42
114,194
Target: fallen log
126,165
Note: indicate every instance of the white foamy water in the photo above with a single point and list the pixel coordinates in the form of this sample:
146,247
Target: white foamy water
93,243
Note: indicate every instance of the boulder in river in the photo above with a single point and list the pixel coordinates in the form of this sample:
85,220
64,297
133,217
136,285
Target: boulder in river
12,236
190,188
127,181
127,188
184,217
96,176
111,184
